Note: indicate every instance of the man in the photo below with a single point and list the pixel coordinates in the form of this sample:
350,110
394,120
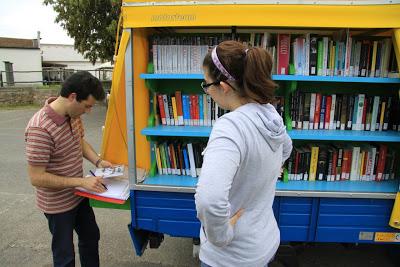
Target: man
55,147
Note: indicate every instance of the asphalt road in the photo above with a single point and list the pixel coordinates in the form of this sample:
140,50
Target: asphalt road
25,239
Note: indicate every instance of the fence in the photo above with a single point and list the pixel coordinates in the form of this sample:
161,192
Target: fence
49,76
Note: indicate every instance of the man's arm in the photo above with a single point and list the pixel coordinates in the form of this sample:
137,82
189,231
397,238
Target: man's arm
40,178
91,155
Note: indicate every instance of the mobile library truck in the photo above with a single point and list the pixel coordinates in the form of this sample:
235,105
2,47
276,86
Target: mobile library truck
337,66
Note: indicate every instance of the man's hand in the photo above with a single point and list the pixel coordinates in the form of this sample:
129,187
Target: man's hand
236,217
105,164
94,184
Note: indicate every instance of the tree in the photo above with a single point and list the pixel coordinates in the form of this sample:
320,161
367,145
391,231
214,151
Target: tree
91,23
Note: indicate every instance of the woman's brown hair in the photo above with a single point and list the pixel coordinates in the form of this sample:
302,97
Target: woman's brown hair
251,69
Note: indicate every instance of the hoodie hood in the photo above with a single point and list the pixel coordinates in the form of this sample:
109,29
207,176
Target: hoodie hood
268,122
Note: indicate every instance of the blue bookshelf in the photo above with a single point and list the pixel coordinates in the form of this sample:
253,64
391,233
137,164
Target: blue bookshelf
189,131
337,135
329,135
171,180
321,186
199,76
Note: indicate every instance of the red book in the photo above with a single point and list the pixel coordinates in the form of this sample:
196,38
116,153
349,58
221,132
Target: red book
344,164
364,170
162,110
381,162
283,54
328,111
196,109
334,163
318,99
192,109
179,110
363,123
348,168
96,197
171,156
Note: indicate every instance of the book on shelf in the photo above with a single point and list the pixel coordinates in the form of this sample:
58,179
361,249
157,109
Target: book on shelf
343,54
358,112
338,162
194,109
175,158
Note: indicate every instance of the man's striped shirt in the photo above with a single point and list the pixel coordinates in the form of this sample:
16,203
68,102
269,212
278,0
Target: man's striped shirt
54,141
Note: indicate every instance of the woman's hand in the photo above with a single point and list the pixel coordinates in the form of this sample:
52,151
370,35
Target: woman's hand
236,217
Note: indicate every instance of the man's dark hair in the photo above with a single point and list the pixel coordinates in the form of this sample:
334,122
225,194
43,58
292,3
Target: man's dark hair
83,84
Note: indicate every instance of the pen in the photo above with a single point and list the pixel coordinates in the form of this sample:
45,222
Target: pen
105,187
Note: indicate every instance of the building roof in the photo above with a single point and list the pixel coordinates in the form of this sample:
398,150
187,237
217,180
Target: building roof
18,43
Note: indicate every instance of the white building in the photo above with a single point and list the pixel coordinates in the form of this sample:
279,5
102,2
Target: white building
27,61
62,58
20,61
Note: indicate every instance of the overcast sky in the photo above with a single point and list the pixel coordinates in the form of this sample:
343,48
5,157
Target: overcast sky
23,18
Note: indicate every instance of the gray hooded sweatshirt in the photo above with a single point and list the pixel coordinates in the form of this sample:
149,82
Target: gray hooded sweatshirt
242,161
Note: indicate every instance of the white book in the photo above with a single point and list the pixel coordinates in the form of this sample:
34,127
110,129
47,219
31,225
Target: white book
312,110
332,122
368,164
374,115
306,125
155,58
307,55
348,54
360,109
166,110
325,56
191,160
185,58
354,171
357,58
373,159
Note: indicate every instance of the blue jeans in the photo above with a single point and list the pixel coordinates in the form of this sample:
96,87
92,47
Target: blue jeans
61,225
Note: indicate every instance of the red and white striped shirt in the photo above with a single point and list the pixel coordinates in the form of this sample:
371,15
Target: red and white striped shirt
54,141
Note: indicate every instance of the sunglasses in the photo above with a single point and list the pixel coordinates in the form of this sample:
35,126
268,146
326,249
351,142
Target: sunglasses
204,85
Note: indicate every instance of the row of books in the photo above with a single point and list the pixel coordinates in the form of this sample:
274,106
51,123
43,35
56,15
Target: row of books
181,54
190,110
300,54
193,109
365,162
175,158
344,112
324,56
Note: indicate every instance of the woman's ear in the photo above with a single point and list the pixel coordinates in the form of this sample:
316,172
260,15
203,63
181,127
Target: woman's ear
226,88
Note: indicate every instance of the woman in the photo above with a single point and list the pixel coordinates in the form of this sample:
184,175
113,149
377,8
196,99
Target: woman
242,161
